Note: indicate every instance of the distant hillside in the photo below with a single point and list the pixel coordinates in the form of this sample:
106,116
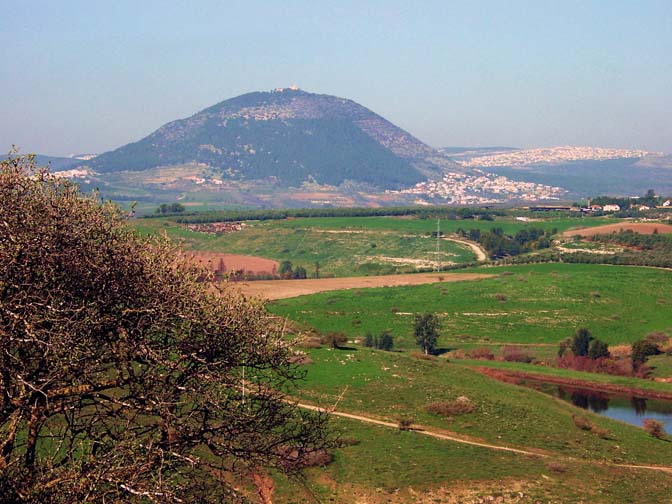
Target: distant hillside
617,177
289,136
57,163
475,150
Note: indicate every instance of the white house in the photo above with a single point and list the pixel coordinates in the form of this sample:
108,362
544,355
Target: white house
611,208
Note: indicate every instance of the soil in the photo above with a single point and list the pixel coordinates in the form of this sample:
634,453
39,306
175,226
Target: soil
282,289
477,249
638,227
515,377
234,262
265,487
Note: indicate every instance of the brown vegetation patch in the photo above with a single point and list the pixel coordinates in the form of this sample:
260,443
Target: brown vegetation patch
448,409
515,377
637,227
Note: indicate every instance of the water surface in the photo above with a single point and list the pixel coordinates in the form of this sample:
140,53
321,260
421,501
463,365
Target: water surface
629,409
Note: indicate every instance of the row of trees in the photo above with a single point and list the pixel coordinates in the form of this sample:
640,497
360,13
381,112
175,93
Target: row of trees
288,270
425,330
448,213
498,244
384,341
583,344
585,352
169,209
649,199
660,258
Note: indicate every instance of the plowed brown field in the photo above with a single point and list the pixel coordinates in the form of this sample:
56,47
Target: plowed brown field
282,289
637,227
234,262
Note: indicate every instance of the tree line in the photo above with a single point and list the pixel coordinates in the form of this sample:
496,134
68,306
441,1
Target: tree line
498,244
274,214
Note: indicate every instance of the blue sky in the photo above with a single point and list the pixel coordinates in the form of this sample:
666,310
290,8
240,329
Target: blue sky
83,76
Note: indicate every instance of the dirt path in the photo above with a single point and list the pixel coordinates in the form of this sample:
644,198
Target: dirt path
476,249
422,430
282,289
426,431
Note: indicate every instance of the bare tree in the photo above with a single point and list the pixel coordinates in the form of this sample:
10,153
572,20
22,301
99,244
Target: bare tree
121,374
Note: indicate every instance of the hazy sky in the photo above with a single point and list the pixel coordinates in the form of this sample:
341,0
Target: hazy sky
89,76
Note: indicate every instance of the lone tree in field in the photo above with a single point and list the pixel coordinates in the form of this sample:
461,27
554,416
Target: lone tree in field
121,374
426,329
581,342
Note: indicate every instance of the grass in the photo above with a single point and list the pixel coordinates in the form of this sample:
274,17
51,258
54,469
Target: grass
339,252
536,305
661,365
544,304
394,467
389,385
348,246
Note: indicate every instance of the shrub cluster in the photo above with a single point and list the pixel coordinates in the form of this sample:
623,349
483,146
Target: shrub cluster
384,341
583,423
516,354
334,339
654,428
498,244
448,409
481,353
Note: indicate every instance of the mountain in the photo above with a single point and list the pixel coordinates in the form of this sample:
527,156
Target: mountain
289,136
56,163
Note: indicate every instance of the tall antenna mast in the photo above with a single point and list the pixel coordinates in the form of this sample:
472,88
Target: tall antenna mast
438,244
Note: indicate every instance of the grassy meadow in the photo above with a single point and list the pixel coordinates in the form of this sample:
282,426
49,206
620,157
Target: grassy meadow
388,465
532,304
349,246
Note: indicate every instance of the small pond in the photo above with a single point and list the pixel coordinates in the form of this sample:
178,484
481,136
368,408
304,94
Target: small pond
629,409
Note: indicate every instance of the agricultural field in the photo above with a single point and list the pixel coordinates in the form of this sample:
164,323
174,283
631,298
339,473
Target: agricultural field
350,246
512,444
533,304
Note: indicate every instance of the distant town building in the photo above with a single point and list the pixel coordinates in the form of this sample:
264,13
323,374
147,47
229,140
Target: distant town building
611,208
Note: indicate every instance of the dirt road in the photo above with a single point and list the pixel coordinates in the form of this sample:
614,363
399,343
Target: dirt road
432,432
282,289
480,253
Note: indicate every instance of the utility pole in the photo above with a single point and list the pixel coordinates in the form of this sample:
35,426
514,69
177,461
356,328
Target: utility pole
438,244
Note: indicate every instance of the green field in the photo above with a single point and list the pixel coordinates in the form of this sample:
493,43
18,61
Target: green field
534,305
349,246
389,464
390,385
540,304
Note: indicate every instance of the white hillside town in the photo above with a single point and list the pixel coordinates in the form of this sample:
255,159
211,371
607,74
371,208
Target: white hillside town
482,188
550,155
